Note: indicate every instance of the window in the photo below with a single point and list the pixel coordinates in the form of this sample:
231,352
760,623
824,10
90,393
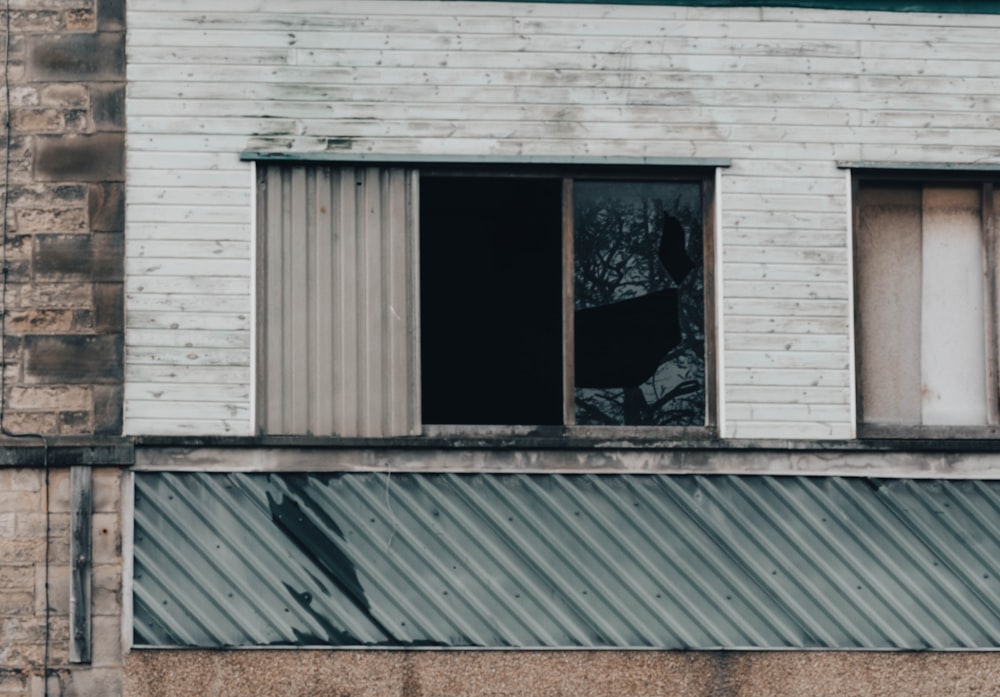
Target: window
396,301
927,298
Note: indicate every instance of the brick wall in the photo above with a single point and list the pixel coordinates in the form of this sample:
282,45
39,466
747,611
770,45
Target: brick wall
65,218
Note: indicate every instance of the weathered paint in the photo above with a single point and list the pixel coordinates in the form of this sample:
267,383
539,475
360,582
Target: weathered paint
785,93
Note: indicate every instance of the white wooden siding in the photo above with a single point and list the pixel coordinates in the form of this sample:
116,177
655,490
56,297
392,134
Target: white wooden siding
785,93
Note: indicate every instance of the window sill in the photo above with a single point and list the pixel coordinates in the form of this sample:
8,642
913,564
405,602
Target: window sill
537,454
929,433
559,439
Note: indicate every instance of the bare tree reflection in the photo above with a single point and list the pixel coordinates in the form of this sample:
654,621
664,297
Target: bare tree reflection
639,301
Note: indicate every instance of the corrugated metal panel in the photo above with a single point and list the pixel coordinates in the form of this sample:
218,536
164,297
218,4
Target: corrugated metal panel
338,297
678,562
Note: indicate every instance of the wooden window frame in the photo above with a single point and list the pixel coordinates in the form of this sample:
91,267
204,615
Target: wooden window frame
568,175
667,170
988,182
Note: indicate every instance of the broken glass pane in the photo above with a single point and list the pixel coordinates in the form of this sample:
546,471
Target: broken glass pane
639,303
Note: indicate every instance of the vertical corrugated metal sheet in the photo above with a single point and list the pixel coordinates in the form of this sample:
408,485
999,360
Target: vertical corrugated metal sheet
338,301
489,560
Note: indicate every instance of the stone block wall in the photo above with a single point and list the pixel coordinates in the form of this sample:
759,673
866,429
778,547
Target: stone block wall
63,338
63,180
35,572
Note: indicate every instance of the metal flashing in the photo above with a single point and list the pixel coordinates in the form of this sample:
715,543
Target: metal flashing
921,166
933,6
492,160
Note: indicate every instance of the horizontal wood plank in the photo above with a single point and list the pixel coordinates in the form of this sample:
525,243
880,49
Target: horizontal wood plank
188,374
176,322
189,392
192,338
785,377
186,426
158,355
237,285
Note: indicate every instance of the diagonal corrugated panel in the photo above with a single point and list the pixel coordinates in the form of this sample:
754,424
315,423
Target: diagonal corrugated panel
494,560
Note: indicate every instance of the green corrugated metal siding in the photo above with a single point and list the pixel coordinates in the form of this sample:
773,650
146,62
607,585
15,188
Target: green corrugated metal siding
493,560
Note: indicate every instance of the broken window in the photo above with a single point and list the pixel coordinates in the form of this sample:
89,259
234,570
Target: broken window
926,307
391,298
563,301
639,303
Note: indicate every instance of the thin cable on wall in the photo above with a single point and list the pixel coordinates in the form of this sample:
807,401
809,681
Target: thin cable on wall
4,199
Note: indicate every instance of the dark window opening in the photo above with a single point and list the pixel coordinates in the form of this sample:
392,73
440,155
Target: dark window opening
491,308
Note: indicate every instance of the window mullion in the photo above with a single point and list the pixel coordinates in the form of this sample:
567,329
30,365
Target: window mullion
708,264
989,269
569,363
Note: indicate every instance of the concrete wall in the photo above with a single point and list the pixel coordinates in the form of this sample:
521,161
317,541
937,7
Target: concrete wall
31,501
559,674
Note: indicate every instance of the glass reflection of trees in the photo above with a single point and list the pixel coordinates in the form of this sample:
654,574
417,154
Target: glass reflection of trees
639,303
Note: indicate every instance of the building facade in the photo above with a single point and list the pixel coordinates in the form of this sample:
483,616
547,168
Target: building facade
502,348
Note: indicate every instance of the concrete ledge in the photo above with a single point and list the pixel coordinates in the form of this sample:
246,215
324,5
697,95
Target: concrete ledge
806,458
30,451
